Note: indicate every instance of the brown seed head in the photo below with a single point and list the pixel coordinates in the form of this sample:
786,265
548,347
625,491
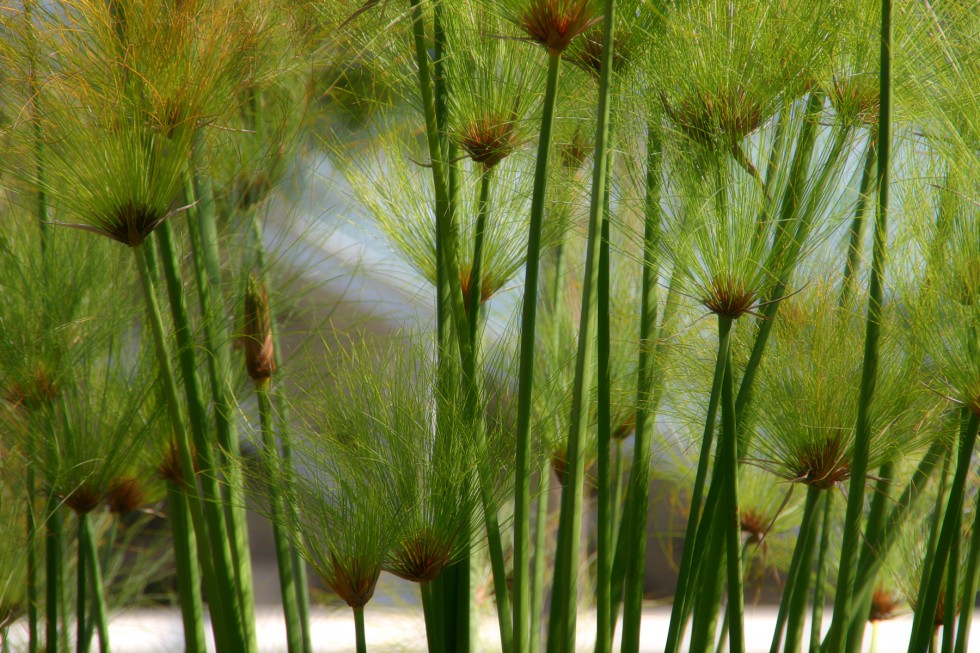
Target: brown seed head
132,223
587,54
489,141
36,392
721,116
83,499
486,285
573,153
250,189
729,297
624,425
126,495
884,604
754,524
352,583
554,23
421,558
856,98
169,468
260,355
824,464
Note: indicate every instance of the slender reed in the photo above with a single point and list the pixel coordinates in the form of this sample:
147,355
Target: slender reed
820,580
87,542
219,537
636,504
522,493
185,458
855,499
206,256
188,571
932,585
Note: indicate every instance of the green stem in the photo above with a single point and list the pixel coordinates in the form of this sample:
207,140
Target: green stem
797,565
98,589
873,533
53,548
691,555
969,594
284,559
433,626
856,240
862,439
475,286
522,491
31,528
41,204
630,560
204,247
864,584
445,217
707,600
217,529
188,572
476,414
728,445
562,629
954,507
800,588
82,641
935,526
359,630
185,457
604,526
820,582
540,557
952,584
618,474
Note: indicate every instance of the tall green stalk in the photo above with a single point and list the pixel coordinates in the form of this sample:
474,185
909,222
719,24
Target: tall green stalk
856,240
637,498
219,537
188,571
929,594
820,581
53,548
969,594
204,247
82,641
284,559
41,206
522,491
950,607
91,560
475,300
859,466
800,589
876,522
444,208
359,629
864,581
606,507
728,450
561,635
693,536
184,454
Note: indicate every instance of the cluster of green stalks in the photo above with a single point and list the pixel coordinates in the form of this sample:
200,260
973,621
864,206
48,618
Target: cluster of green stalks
739,243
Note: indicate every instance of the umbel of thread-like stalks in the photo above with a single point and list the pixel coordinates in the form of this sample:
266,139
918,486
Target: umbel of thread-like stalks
260,354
